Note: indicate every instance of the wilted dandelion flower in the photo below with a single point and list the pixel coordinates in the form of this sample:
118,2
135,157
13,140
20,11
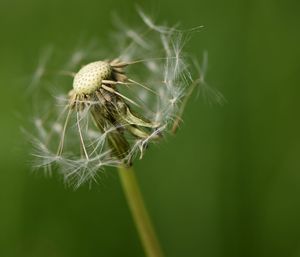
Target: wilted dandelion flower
116,106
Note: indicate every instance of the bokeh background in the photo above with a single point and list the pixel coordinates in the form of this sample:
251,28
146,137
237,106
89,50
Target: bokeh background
227,185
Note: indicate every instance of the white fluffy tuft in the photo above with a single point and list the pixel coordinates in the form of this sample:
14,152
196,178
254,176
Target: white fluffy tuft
159,77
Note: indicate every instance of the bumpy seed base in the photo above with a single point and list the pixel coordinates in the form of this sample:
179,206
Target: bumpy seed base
89,78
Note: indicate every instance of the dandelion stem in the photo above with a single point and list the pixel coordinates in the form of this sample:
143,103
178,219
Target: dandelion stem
139,212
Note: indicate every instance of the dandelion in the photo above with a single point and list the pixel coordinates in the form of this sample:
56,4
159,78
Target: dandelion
115,108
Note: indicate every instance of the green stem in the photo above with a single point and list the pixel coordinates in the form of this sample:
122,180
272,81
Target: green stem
139,212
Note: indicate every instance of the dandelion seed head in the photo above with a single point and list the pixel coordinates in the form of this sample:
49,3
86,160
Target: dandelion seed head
117,106
89,78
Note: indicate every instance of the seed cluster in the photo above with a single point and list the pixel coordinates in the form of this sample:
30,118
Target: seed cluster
89,78
117,107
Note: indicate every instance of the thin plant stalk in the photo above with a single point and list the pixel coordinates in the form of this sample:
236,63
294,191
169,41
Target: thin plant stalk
139,212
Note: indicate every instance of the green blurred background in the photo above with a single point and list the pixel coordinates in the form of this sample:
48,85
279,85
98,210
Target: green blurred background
227,185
